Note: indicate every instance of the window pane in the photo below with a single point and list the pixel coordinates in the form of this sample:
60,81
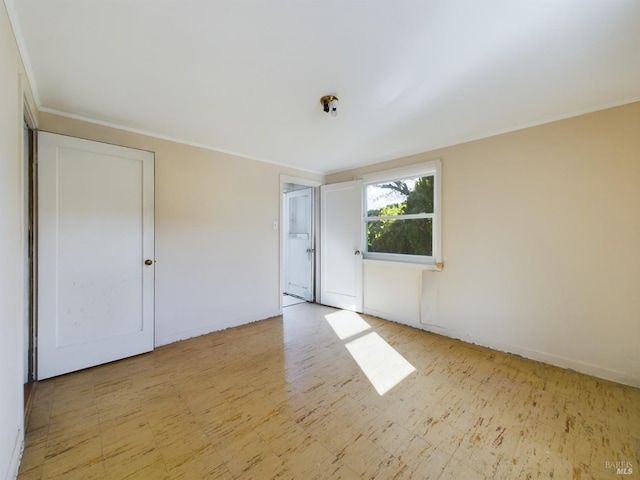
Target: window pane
408,237
409,195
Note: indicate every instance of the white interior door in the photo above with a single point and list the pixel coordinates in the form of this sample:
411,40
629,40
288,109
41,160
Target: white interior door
341,245
95,251
299,249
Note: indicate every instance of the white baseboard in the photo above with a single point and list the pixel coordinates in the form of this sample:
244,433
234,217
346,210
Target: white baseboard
16,456
549,358
391,317
196,332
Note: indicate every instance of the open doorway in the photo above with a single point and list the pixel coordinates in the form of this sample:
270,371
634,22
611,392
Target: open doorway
298,241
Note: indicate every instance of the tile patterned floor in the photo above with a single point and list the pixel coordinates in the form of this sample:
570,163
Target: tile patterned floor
299,397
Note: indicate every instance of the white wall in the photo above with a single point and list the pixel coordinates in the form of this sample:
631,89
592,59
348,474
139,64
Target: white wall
12,355
218,256
541,246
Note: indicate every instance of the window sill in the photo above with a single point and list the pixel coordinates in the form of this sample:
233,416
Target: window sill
435,267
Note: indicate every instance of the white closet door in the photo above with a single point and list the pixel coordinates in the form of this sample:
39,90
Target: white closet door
95,253
341,245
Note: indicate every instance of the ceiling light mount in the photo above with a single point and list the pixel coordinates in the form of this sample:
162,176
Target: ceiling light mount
330,104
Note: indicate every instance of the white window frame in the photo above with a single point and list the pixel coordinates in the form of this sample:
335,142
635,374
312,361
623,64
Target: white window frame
431,168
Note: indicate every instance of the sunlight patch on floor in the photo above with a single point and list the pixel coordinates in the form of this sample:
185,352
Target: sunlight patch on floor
346,324
380,362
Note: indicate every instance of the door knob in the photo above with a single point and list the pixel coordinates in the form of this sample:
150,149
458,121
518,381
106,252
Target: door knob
311,250
148,262
357,252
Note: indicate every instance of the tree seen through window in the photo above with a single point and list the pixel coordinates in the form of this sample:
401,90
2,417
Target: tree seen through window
401,220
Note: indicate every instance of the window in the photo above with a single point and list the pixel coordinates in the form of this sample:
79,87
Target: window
402,215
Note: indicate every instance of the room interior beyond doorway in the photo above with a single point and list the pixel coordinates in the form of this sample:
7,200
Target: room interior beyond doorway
298,242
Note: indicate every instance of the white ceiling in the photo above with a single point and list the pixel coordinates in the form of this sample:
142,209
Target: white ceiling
246,76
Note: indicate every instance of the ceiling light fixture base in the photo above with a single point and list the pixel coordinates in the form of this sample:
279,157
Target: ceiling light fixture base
330,104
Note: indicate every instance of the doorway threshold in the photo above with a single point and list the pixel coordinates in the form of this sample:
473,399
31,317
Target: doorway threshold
288,300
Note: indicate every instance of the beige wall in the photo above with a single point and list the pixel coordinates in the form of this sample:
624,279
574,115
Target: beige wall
216,250
541,245
13,89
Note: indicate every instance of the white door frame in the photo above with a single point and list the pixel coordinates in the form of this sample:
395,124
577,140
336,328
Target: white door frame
29,184
316,218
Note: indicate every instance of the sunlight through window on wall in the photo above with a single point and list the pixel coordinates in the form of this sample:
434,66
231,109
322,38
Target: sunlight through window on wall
380,362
